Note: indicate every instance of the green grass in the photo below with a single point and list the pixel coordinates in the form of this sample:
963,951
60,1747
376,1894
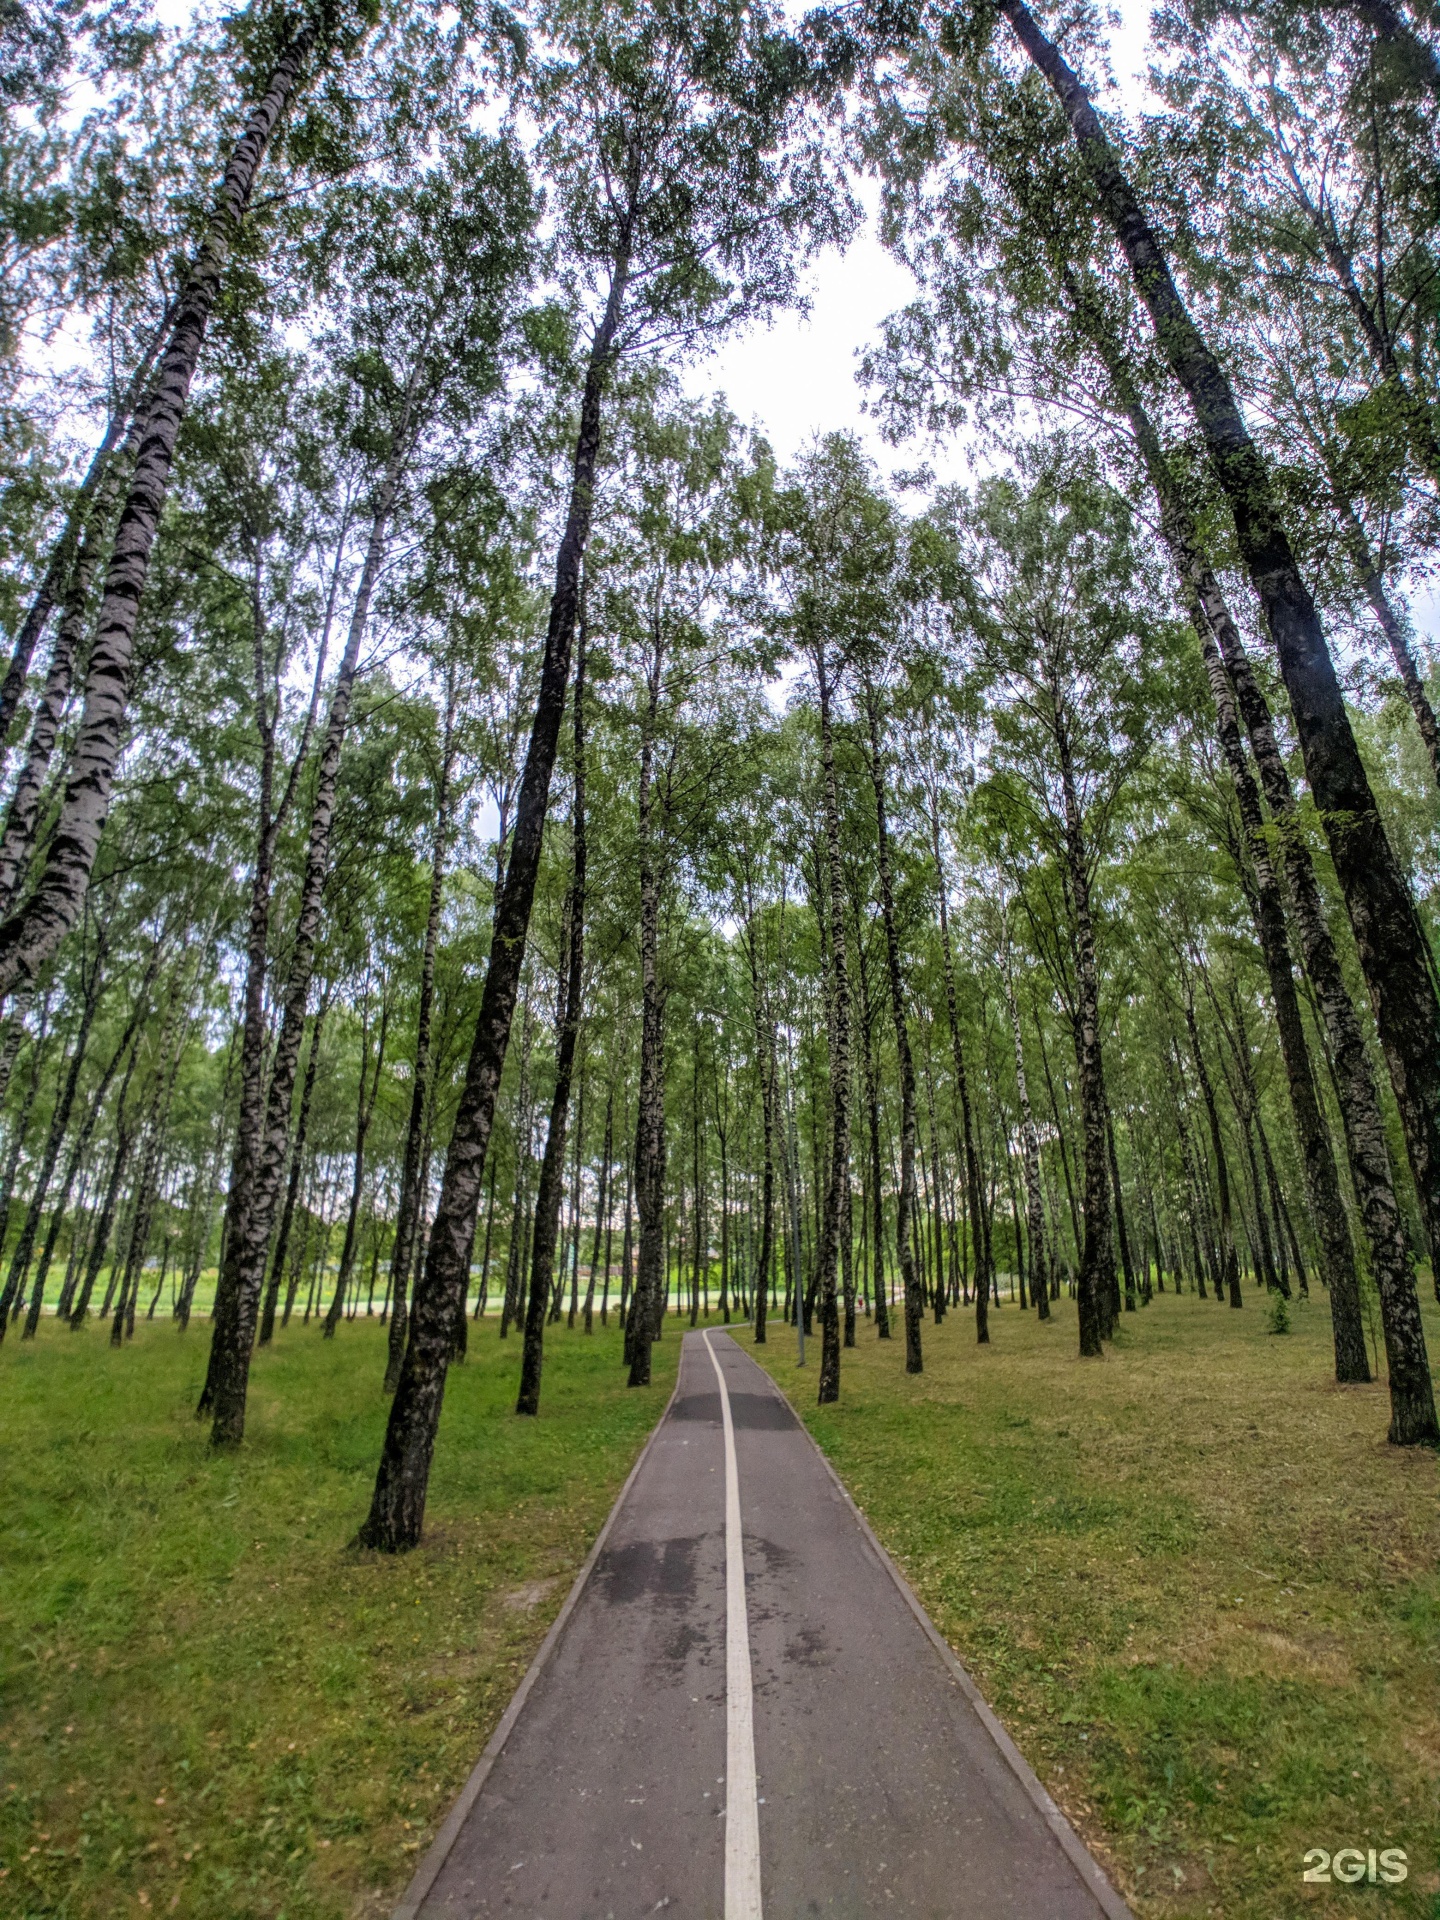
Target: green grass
209,1705
1192,1579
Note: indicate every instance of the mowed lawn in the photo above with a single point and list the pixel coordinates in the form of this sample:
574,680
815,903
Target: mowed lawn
1192,1579
209,1705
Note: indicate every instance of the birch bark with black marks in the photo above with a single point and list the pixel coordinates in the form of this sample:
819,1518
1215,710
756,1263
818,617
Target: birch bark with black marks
78,530
169,1054
650,1106
12,1298
249,1225
100,1241
1228,676
872,1107
10,1050
837,1187
397,1510
407,1206
17,838
1058,1120
572,1252
722,1135
20,1127
79,1153
766,1066
602,1211
627,1246
1121,1236
1040,1257
1411,1392
292,1185
33,931
270,822
550,1192
1393,953
984,1261
514,1303
905,1204
485,1256
1096,1282
364,1113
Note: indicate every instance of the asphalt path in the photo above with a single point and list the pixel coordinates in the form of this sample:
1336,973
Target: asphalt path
743,1710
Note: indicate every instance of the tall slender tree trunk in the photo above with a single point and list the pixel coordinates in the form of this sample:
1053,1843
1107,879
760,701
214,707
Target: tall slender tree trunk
766,1066
17,838
1059,1122
12,1298
626,1248
407,1206
1393,954
872,1106
936,1227
79,528
576,1197
602,1213
650,1110
722,1135
364,1111
398,1508
1097,1254
292,1184
700,1226
77,1160
905,1206
485,1256
170,1051
513,1307
1040,1273
207,1209
1246,1100
550,1193
20,1127
100,1241
838,1177
30,934
251,1213
1119,1198
1216,631
10,1050
79,1232
984,1262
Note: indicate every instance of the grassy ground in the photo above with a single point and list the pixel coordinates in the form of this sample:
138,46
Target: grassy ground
209,1706
1191,1578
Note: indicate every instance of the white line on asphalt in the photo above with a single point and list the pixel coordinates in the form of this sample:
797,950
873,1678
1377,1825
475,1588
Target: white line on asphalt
742,1818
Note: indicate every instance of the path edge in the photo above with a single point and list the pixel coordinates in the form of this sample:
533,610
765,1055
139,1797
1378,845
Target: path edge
428,1871
1073,1847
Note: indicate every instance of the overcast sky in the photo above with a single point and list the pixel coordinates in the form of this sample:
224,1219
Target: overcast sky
798,376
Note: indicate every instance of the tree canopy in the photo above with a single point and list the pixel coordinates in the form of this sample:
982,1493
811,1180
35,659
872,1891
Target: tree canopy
488,840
